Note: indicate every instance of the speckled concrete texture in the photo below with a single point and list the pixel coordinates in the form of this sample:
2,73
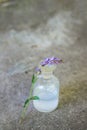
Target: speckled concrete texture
30,31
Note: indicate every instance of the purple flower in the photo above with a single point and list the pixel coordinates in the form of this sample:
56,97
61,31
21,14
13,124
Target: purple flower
37,70
50,61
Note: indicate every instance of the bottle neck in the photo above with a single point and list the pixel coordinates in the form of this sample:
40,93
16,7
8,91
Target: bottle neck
47,75
47,71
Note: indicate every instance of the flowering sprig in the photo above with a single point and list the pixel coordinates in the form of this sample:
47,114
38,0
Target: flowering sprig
50,61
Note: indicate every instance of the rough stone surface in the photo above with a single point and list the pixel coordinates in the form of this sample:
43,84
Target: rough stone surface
30,31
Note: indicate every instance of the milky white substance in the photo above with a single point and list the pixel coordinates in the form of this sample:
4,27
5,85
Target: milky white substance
48,101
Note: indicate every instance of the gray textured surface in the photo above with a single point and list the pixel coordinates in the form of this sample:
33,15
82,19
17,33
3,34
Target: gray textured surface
30,31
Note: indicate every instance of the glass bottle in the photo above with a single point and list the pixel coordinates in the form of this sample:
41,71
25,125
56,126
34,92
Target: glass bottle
47,89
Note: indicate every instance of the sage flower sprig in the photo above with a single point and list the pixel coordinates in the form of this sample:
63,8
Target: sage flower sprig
51,61
30,98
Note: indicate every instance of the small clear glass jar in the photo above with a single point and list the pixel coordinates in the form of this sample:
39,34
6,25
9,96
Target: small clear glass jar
47,89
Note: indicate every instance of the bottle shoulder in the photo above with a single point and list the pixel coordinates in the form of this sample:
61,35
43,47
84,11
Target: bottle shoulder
52,80
52,77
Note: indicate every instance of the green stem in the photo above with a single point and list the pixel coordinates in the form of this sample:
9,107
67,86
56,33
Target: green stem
30,97
25,108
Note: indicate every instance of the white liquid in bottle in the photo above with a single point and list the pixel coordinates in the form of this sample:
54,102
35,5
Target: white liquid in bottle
48,99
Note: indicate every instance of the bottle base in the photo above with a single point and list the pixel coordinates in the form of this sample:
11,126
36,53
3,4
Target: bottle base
45,110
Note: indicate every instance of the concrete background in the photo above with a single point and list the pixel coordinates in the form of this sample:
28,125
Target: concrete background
30,31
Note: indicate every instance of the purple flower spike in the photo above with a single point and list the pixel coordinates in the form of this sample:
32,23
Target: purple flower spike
50,61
